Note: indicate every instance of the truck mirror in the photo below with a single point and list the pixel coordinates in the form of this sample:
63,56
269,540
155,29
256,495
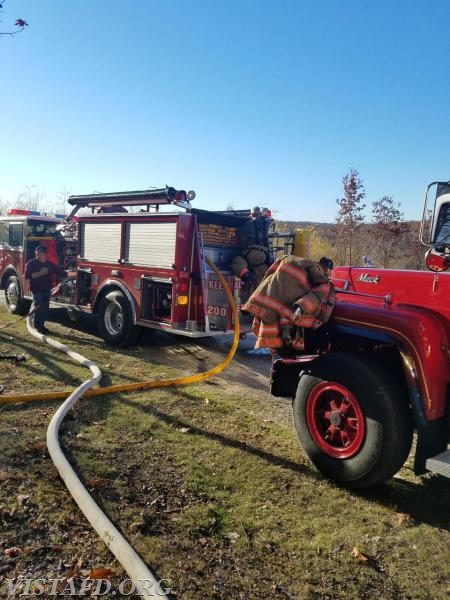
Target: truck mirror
436,261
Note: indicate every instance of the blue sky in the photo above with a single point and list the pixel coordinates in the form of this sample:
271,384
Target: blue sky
247,102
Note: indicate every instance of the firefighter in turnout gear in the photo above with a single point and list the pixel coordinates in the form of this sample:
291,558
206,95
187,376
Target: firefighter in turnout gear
252,264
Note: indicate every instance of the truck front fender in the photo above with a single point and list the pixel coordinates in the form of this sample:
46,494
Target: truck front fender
421,338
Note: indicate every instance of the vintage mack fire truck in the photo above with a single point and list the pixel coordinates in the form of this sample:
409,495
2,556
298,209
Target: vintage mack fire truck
136,259
379,370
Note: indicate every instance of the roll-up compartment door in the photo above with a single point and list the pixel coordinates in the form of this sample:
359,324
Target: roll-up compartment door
100,242
150,244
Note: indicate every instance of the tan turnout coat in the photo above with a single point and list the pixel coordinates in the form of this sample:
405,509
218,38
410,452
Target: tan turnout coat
290,280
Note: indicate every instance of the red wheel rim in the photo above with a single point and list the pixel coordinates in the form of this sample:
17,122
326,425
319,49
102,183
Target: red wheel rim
335,420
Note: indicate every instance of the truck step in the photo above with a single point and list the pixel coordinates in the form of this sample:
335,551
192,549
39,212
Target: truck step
440,464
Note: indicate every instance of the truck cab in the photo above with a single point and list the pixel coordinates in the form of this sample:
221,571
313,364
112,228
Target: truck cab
21,231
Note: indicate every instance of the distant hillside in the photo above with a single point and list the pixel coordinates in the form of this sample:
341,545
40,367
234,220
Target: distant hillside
402,249
409,225
301,224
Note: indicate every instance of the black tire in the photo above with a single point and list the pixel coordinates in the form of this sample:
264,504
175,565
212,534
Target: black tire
353,420
116,321
15,302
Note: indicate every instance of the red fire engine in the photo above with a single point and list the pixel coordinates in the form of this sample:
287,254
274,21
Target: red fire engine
380,368
137,259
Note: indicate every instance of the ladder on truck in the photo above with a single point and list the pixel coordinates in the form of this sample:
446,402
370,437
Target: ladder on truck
116,201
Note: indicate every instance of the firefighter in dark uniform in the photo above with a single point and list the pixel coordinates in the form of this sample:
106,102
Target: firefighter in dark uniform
252,264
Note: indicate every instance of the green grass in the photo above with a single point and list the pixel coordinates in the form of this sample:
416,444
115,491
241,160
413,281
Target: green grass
209,485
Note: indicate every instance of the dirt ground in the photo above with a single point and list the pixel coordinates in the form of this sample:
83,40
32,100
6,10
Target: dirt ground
248,372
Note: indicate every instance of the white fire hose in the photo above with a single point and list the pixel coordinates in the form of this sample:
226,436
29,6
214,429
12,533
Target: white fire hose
139,573
145,582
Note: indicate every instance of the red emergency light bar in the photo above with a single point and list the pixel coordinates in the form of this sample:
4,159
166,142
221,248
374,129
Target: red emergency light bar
23,211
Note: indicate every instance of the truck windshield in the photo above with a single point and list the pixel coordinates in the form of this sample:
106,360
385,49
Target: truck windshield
37,228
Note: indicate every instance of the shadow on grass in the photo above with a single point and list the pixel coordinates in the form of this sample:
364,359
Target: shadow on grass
48,366
33,349
85,323
425,502
218,437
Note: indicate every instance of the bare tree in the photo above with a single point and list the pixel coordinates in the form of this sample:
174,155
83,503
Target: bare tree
349,217
386,229
31,198
3,206
19,24
61,205
414,252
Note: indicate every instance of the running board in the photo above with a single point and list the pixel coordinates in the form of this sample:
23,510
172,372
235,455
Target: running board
440,464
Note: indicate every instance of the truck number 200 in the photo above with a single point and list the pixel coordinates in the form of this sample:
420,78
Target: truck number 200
217,311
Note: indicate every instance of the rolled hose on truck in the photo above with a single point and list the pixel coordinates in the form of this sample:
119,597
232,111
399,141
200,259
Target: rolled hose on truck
125,554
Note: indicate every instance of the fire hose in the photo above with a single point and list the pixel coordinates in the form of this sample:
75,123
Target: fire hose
125,554
21,357
35,309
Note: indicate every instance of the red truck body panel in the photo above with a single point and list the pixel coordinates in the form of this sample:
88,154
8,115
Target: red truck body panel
410,307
